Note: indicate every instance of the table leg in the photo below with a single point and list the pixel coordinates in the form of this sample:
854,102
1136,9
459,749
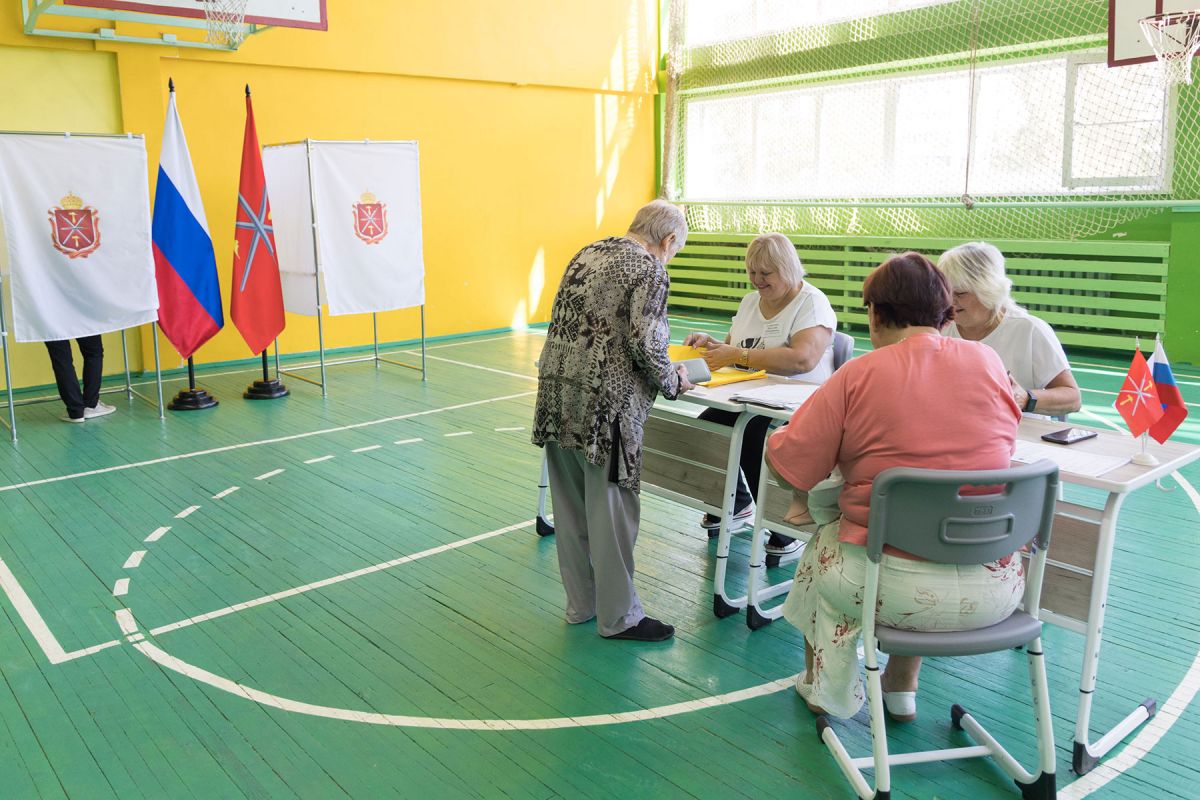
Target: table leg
723,604
1086,755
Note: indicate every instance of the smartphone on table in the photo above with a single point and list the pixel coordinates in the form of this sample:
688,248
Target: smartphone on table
1069,435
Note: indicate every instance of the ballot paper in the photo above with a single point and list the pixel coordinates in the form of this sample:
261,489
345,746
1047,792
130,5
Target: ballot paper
782,396
1077,462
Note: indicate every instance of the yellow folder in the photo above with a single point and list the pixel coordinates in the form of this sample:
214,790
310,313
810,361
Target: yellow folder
730,375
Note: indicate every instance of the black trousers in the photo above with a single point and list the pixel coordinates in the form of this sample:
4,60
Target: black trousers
92,350
753,442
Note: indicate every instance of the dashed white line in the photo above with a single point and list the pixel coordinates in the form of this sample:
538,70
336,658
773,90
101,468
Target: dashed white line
135,559
318,459
366,449
225,492
137,637
158,534
186,512
407,441
138,464
270,474
505,430
459,433
121,587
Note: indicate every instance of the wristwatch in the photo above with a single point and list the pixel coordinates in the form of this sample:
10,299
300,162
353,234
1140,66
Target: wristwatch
1031,403
744,359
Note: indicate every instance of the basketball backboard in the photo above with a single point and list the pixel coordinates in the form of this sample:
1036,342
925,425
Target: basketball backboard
1126,43
176,23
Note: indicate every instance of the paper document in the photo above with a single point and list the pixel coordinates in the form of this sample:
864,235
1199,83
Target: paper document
777,395
1074,461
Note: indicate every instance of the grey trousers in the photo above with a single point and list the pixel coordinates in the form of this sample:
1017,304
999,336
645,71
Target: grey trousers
595,528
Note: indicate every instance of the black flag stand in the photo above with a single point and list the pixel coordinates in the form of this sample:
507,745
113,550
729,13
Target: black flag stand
192,398
268,388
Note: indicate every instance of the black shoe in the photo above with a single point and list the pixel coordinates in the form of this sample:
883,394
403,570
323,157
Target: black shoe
648,630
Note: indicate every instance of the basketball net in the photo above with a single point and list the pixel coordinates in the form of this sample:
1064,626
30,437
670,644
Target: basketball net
1175,38
226,22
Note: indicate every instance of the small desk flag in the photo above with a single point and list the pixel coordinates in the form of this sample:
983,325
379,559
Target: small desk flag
1138,400
1174,411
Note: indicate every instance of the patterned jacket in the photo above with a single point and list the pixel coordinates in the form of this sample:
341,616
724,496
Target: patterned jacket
605,358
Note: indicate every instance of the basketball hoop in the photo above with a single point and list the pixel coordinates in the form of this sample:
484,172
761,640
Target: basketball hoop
226,22
1175,38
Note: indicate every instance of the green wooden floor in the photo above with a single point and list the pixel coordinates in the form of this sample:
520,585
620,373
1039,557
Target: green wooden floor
373,682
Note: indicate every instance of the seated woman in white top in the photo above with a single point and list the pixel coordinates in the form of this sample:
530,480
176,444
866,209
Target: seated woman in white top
984,311
784,326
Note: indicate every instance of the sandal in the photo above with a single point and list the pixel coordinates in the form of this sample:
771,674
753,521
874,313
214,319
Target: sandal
901,706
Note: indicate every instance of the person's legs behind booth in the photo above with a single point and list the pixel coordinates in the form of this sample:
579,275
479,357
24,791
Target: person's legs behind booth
83,404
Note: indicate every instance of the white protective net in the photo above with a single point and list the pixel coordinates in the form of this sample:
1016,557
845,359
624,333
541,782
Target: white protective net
1175,38
226,22
972,118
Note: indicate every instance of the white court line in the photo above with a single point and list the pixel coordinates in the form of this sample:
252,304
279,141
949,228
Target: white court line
135,559
358,573
318,459
366,449
473,366
259,443
187,512
121,587
169,661
125,621
458,433
225,492
407,441
520,428
158,534
30,616
270,474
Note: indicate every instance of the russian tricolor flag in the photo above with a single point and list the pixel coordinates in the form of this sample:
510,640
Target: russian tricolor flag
189,293
1174,411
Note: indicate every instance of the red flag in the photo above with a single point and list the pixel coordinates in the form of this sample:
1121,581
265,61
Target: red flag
257,298
1138,400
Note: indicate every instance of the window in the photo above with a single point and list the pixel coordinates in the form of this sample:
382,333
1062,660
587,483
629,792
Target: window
1051,126
712,21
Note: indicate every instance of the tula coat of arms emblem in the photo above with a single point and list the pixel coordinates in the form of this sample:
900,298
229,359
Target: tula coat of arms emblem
370,219
75,228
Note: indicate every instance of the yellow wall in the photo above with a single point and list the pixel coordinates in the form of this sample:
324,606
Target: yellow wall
535,122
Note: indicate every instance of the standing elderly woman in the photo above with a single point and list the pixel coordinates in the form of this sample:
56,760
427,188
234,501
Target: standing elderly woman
604,362
984,311
784,326
874,414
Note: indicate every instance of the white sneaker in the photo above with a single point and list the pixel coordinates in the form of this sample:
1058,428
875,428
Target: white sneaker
99,410
68,418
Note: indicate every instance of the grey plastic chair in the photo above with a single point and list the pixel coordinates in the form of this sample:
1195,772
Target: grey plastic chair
923,512
843,348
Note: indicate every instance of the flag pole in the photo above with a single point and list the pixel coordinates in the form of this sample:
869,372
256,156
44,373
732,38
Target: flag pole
268,388
1144,459
192,398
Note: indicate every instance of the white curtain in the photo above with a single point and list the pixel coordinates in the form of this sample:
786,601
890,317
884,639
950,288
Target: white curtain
76,214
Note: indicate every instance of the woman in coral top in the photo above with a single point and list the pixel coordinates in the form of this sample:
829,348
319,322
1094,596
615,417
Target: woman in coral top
918,400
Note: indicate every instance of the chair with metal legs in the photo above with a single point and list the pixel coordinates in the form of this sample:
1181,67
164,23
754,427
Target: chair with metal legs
924,512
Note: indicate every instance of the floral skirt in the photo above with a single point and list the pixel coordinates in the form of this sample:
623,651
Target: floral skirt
825,603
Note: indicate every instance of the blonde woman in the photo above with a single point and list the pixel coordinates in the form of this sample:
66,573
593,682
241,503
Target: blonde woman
784,326
984,311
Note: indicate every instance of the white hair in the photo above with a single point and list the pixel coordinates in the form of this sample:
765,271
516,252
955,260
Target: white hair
657,220
978,268
776,250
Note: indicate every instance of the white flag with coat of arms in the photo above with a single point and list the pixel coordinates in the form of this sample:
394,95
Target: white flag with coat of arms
76,213
367,198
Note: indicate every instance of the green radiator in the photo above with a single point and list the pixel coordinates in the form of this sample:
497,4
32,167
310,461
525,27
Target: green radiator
1097,294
